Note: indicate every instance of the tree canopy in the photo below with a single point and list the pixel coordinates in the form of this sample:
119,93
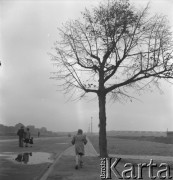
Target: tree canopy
114,48
124,44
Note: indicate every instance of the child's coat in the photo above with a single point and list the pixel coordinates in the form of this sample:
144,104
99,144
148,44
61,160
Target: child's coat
79,140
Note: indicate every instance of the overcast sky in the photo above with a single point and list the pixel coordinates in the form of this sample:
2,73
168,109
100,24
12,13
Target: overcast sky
28,30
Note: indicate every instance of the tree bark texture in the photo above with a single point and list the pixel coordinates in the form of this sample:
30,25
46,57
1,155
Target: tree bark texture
102,125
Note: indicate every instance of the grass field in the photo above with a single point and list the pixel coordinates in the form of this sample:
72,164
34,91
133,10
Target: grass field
135,146
164,140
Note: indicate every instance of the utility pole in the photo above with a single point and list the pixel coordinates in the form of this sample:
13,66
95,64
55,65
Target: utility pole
91,125
89,128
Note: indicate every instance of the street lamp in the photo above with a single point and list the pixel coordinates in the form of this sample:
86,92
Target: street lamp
91,125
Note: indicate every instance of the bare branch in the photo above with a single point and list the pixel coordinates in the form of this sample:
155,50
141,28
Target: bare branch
114,46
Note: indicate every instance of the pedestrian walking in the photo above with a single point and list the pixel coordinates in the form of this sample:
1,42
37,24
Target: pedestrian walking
38,134
79,141
21,133
27,137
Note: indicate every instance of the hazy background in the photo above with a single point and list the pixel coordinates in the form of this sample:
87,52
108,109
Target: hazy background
28,30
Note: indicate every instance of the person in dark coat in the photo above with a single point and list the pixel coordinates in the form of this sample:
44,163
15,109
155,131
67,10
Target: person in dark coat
21,133
27,137
79,141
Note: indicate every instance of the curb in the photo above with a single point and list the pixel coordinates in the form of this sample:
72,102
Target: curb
93,147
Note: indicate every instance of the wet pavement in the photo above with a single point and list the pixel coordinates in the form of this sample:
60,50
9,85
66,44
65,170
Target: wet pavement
18,163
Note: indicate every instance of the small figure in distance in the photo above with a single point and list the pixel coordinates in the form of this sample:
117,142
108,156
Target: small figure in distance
21,133
27,137
79,141
31,141
38,134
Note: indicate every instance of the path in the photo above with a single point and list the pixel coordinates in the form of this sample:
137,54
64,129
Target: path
69,154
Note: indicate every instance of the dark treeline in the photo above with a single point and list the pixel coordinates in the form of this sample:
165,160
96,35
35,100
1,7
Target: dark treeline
12,130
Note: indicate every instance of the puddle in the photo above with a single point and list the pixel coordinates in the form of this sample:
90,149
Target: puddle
29,157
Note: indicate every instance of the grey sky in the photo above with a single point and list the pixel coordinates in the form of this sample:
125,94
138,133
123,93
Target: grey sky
27,95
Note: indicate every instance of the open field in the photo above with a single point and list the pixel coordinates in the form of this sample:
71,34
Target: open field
164,140
16,171
138,146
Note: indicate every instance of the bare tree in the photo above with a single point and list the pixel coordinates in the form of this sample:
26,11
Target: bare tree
113,50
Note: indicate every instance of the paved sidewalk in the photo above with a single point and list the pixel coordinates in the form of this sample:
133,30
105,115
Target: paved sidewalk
67,157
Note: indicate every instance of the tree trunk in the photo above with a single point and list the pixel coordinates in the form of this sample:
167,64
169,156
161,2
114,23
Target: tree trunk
102,125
